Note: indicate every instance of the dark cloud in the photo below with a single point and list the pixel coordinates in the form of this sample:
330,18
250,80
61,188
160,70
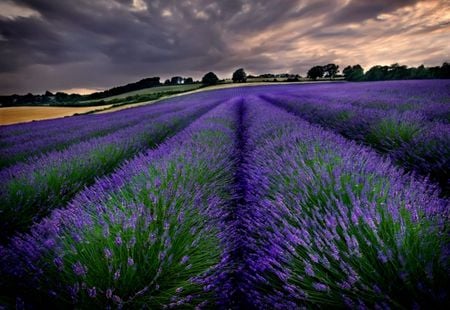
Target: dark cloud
360,10
47,44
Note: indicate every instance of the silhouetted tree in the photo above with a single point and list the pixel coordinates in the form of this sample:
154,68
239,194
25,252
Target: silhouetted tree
398,72
175,80
188,80
167,82
377,73
353,73
331,70
445,71
315,72
420,72
210,79
239,76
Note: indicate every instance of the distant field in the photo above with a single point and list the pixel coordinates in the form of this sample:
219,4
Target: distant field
152,90
12,115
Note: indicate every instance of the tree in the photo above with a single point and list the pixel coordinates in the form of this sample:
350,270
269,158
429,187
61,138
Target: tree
188,80
210,79
398,72
377,73
175,80
239,76
445,71
331,70
353,73
315,72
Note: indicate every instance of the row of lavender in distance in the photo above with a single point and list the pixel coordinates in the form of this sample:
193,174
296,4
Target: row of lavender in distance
20,141
146,236
21,147
430,98
30,190
329,223
411,141
23,132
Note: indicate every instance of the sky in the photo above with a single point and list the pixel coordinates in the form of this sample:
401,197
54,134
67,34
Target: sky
88,45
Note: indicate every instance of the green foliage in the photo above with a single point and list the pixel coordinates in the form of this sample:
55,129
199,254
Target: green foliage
375,255
150,252
55,185
389,134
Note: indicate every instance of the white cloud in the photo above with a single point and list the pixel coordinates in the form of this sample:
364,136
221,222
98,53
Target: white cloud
166,13
11,10
139,5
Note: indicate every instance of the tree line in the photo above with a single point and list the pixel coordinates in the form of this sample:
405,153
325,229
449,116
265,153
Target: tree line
330,71
397,72
239,76
49,98
381,73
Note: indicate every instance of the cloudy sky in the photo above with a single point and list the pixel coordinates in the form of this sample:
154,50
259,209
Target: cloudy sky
85,45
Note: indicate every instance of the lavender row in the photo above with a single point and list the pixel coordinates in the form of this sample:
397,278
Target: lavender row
63,138
30,190
330,223
147,236
412,142
429,98
23,132
19,134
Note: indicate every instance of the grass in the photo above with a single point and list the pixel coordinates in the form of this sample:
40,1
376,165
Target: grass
151,91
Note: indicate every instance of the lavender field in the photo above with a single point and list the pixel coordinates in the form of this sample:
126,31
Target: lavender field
327,195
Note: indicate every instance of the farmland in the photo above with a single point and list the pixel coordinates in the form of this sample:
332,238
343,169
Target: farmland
154,90
275,196
13,115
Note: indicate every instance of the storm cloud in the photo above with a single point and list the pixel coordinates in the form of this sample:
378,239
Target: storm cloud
91,45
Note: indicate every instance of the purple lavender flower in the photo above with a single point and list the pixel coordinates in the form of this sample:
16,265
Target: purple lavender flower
184,259
108,293
108,253
320,287
92,292
130,261
118,241
117,275
79,269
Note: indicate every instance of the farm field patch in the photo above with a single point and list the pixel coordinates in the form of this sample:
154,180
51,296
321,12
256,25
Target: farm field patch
13,115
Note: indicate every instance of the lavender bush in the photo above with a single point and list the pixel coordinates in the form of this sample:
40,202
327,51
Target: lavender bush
30,190
408,137
21,147
331,223
150,239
